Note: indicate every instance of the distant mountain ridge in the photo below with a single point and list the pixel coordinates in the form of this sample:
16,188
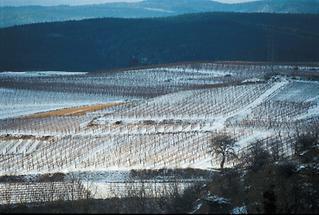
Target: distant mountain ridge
109,43
10,16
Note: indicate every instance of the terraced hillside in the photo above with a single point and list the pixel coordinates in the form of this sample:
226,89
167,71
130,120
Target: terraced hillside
165,117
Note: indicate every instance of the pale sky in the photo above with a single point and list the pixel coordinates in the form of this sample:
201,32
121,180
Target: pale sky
79,2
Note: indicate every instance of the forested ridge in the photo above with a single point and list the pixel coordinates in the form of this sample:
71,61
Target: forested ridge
17,15
107,43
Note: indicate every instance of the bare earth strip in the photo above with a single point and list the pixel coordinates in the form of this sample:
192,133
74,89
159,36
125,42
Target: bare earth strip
74,111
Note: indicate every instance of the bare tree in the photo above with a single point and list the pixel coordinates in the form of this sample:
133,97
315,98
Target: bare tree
258,156
306,146
222,147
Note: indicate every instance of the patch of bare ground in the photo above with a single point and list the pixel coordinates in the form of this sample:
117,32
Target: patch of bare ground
74,111
25,137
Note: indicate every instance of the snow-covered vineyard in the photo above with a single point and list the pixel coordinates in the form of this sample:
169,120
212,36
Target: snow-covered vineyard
156,118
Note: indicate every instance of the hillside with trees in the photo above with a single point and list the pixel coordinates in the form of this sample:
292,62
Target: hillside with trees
18,15
100,44
262,182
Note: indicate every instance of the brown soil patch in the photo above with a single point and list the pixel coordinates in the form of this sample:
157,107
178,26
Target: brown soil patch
74,111
24,137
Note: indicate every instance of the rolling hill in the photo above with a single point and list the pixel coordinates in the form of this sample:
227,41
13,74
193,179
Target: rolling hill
149,8
99,44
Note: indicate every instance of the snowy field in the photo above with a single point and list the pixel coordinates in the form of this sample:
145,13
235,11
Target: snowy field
152,118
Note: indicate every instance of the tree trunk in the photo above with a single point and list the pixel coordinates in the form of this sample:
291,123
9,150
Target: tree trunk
222,163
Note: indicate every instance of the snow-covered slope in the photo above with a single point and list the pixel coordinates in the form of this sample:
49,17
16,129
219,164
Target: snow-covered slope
170,118
171,127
